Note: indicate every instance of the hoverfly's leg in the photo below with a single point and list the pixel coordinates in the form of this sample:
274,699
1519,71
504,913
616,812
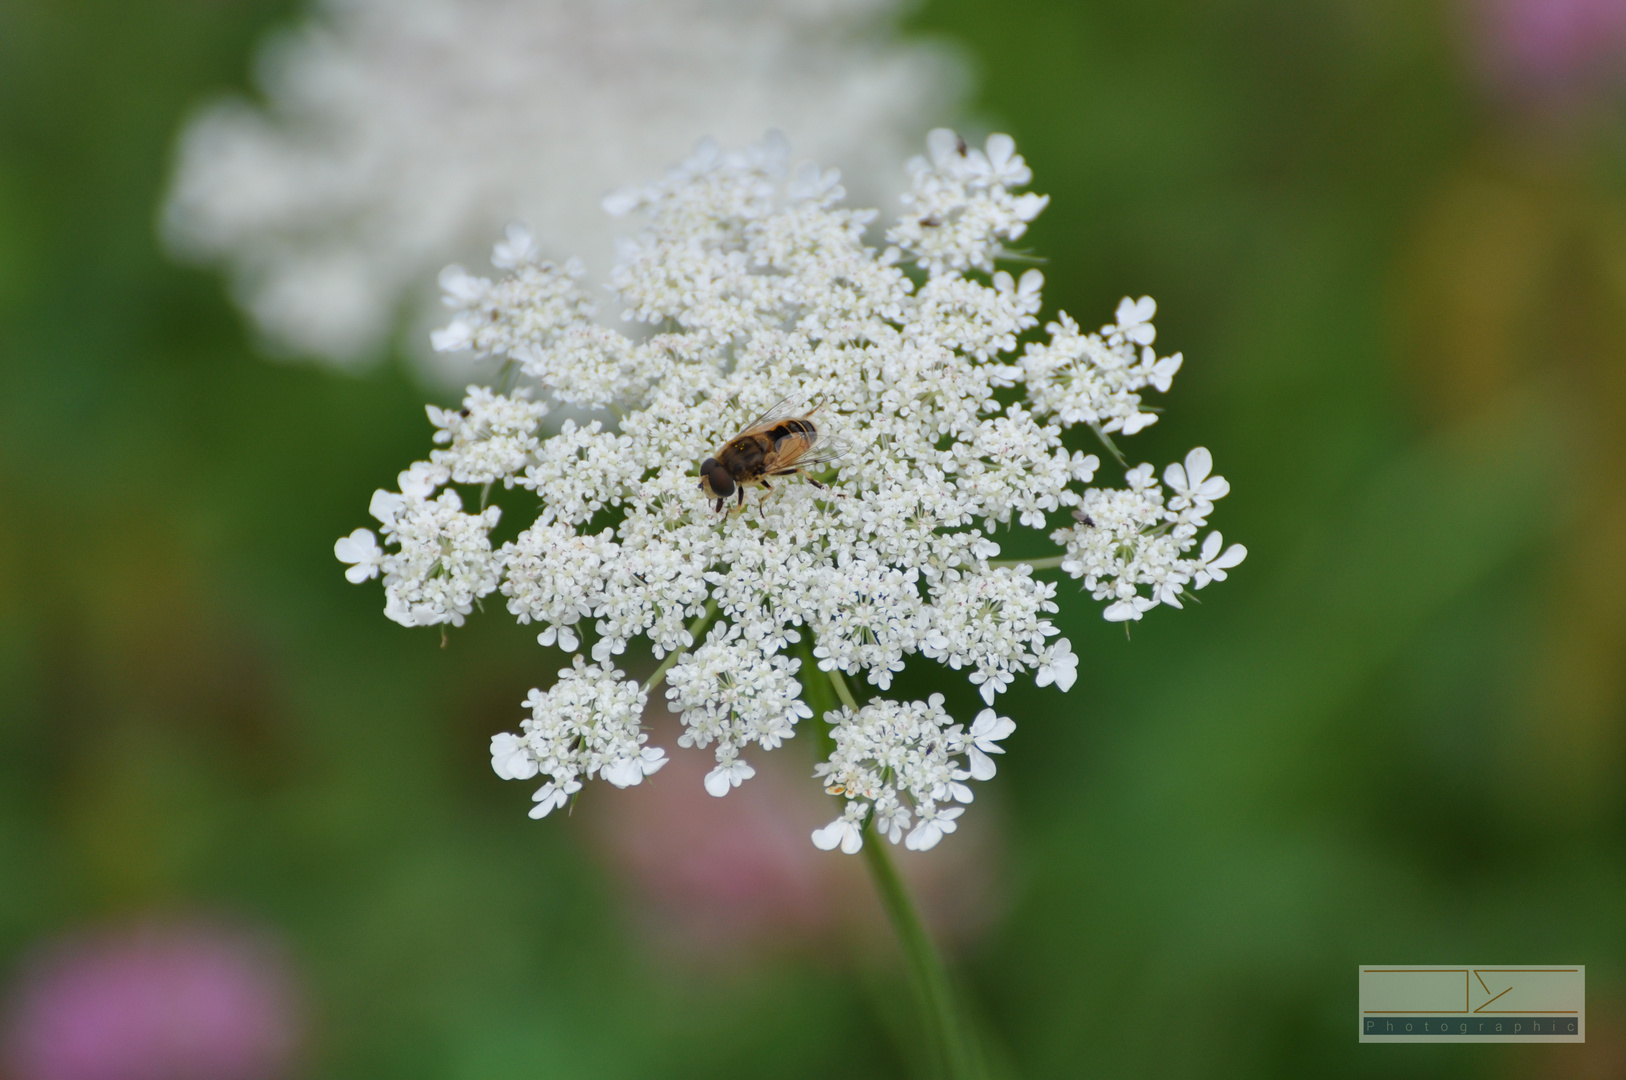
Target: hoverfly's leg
719,506
742,494
795,472
823,487
765,485
805,475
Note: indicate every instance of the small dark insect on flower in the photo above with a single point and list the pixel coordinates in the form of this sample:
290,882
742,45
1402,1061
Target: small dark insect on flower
777,443
1087,521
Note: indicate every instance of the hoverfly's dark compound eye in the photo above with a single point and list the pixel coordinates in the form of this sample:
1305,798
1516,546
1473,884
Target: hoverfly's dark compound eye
722,484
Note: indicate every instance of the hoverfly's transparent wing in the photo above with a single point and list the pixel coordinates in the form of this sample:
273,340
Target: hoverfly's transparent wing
790,407
826,449
823,450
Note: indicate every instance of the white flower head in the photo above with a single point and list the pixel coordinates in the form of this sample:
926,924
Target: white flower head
586,725
906,762
443,563
1097,379
732,693
1130,546
397,135
757,290
554,575
491,437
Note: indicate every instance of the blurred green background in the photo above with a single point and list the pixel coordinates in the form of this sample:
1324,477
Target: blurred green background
1398,733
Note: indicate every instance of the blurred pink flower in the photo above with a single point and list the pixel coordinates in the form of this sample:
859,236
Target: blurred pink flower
174,1001
1551,51
725,877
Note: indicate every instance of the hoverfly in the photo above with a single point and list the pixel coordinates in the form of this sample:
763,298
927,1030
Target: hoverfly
777,443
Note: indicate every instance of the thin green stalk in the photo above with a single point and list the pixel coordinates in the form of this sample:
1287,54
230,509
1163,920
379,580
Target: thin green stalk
507,376
816,692
695,629
1106,441
945,1024
842,690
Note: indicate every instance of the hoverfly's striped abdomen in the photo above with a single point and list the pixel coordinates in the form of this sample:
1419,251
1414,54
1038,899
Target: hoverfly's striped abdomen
803,428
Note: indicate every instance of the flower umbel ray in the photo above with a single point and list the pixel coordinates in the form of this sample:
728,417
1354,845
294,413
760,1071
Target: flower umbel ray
750,287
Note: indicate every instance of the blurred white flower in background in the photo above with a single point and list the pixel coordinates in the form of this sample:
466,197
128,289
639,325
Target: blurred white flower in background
399,135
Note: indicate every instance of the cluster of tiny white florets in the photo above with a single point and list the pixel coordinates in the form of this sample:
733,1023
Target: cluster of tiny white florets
586,724
443,562
898,763
1095,378
962,206
492,437
755,287
1124,541
554,576
727,691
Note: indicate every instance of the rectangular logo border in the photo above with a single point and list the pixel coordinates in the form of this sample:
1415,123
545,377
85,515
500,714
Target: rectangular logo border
1529,1019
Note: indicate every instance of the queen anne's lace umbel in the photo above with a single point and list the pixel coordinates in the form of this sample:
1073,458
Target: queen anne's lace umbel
752,285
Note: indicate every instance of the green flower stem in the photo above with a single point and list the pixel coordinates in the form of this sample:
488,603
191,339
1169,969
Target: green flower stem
507,376
843,691
816,691
947,1031
945,1024
1050,563
695,629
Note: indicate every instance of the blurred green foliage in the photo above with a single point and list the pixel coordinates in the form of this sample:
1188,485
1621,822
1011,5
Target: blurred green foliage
1395,734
